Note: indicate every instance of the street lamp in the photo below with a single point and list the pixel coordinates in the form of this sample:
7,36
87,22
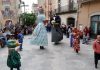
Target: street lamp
24,5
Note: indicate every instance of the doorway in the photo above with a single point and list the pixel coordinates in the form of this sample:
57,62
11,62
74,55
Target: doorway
71,22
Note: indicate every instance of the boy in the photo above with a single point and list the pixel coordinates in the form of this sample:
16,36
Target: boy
20,39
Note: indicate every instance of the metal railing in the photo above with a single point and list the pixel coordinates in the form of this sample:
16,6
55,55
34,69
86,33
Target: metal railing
67,8
84,1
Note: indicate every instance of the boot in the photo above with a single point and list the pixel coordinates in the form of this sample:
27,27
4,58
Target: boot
41,47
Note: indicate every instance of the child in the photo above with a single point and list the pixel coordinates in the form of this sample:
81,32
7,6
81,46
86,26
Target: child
76,45
71,39
20,39
13,60
76,42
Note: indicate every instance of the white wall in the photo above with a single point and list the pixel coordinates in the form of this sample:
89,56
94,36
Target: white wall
64,2
65,16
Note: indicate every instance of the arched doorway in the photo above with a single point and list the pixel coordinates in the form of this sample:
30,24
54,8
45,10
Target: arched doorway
9,24
71,21
95,25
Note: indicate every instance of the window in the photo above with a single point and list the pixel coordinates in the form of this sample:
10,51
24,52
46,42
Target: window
5,2
59,5
95,25
95,18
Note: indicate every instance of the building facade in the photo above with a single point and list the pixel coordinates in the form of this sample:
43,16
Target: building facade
35,9
9,11
89,15
45,4
67,10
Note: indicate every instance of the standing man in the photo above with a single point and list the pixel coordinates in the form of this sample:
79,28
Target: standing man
96,48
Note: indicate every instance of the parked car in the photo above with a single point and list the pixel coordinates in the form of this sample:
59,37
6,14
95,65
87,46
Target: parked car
2,42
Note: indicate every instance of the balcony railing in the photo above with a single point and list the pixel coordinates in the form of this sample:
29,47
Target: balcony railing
84,1
67,9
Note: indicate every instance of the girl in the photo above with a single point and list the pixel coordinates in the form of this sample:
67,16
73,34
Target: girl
13,60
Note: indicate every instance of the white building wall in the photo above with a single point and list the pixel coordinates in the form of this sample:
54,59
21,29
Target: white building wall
64,2
41,2
64,17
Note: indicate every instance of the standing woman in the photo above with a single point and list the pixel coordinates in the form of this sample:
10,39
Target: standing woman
40,33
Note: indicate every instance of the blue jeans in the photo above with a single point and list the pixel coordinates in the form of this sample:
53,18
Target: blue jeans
21,46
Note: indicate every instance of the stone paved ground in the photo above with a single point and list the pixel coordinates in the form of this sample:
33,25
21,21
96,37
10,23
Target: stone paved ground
54,57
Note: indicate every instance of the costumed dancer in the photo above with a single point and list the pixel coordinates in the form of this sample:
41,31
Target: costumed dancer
76,42
40,34
57,34
13,60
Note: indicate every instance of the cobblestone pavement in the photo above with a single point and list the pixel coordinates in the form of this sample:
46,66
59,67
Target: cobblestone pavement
54,57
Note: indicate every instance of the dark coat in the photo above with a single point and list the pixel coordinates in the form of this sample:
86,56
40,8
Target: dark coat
57,34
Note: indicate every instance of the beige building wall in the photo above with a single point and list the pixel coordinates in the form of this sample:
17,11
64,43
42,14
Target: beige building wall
41,2
86,11
64,17
47,9
14,6
44,4
54,4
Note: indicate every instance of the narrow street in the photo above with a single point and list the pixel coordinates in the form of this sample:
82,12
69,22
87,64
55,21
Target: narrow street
54,57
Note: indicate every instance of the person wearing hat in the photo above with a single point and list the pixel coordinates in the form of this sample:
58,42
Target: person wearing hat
13,60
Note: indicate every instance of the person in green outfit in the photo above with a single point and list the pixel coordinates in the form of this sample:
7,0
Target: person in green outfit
13,60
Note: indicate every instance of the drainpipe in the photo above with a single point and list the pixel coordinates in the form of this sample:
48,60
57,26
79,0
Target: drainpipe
77,16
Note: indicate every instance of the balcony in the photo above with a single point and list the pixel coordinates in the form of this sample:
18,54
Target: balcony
67,9
84,1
